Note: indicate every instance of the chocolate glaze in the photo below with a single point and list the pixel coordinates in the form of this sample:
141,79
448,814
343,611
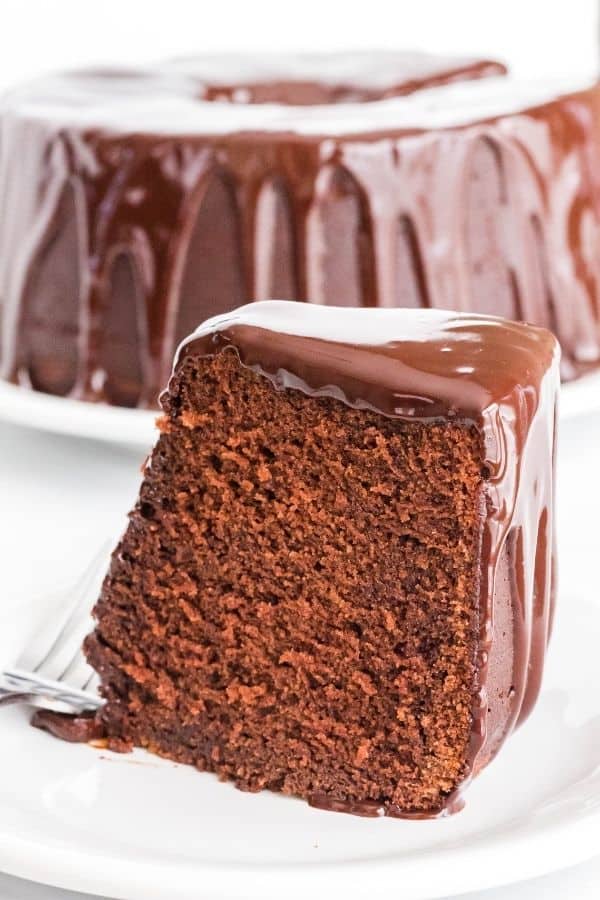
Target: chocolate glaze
135,205
424,366
316,79
78,729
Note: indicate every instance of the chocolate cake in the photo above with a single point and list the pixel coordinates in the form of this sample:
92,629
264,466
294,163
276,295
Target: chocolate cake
136,203
337,581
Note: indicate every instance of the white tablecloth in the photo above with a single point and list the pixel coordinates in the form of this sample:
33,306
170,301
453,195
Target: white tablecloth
60,498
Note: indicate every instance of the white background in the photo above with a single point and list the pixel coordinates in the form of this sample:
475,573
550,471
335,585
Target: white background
537,37
41,476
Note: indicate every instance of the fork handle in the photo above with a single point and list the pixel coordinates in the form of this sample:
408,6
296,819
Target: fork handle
8,697
22,687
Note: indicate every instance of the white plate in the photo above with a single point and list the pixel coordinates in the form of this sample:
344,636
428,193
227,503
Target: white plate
144,829
22,406
136,427
138,827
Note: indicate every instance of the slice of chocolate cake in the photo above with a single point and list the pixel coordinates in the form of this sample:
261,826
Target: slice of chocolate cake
337,581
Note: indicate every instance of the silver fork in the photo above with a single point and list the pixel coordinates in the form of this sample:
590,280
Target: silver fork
52,671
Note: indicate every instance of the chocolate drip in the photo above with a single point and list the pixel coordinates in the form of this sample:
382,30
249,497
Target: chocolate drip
123,334
419,71
51,303
212,279
275,254
411,286
426,366
372,810
541,614
340,251
492,286
546,310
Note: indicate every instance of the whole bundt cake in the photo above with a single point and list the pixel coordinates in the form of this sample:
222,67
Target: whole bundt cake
137,203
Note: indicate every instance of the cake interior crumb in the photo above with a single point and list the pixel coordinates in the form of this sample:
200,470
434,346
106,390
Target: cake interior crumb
294,603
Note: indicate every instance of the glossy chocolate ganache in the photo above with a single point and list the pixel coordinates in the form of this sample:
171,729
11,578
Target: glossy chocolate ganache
208,660
138,202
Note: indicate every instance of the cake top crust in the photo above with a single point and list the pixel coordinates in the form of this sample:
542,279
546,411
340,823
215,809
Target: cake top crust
312,95
408,363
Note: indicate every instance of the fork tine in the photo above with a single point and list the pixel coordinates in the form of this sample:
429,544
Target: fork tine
63,653
52,669
58,610
78,673
93,683
66,646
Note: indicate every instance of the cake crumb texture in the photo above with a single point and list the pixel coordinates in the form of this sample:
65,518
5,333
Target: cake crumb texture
294,605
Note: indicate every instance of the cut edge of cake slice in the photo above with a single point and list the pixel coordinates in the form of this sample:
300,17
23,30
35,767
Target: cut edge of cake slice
338,580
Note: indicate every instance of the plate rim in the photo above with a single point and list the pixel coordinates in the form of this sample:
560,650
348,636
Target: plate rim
103,874
563,834
21,405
